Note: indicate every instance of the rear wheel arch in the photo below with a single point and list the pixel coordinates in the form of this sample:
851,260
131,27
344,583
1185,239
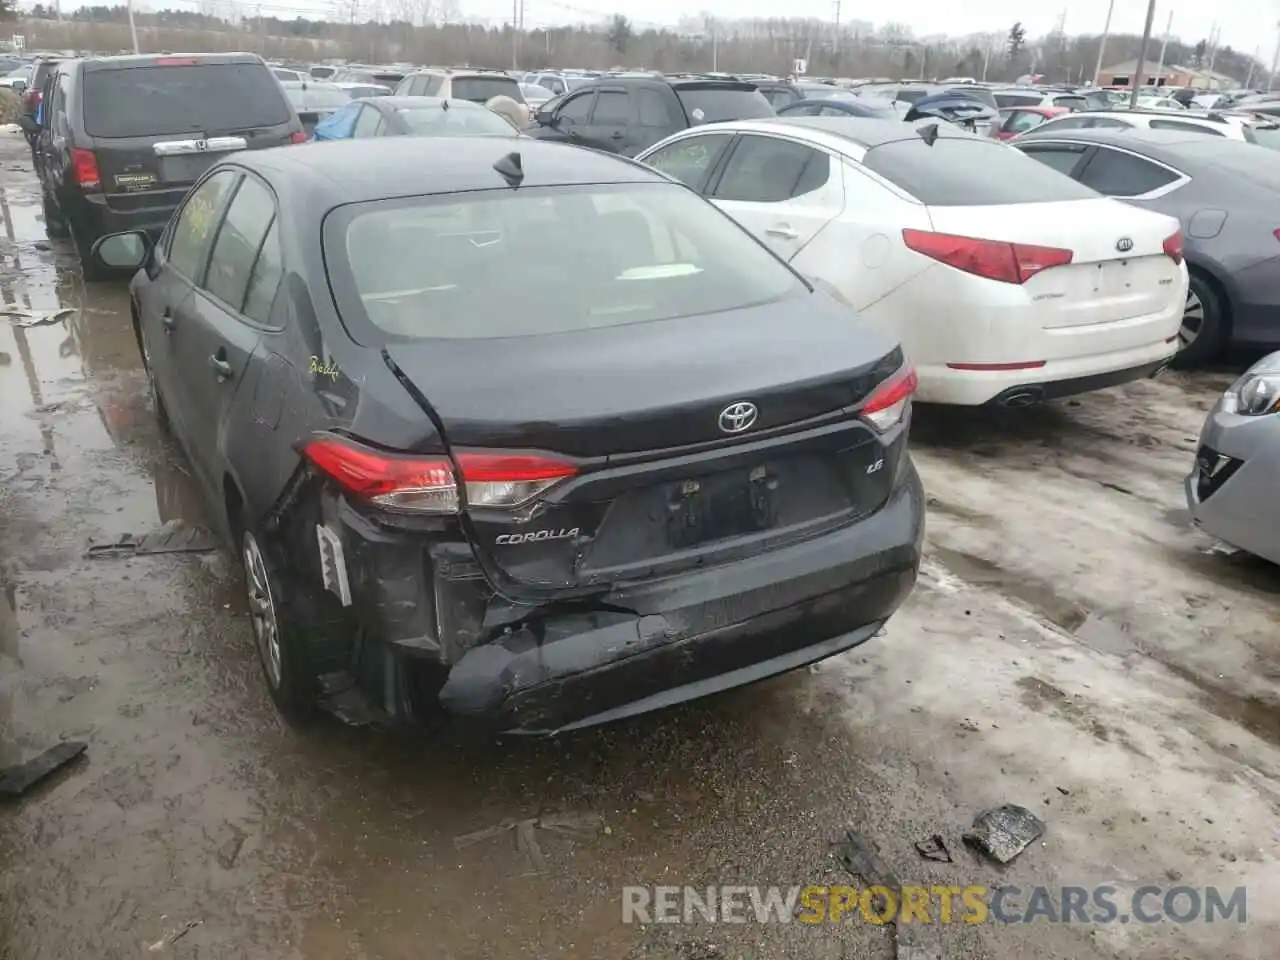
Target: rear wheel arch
1211,276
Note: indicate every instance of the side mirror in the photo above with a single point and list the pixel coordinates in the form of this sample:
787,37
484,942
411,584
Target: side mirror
545,118
123,251
28,124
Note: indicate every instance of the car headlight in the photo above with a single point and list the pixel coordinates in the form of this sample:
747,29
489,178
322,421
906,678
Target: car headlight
1257,392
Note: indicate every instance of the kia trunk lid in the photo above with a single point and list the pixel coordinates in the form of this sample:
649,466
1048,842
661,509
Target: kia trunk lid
1119,267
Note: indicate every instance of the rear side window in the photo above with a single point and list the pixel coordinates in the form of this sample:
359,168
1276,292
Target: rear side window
688,160
965,171
1117,174
713,104
767,170
236,248
1060,156
1185,127
543,261
482,89
156,100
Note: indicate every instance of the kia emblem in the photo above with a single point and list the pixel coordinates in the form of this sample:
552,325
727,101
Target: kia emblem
1124,244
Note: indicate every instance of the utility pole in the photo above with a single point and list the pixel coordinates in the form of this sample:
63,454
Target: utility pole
1102,44
1253,66
1142,53
262,34
1213,45
715,45
133,29
1164,46
515,34
835,36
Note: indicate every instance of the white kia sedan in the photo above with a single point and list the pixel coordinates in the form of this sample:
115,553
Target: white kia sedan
1004,280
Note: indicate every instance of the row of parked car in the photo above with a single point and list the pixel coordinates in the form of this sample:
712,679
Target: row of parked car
536,435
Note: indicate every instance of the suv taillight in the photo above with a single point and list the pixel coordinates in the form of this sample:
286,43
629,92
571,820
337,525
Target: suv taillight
84,169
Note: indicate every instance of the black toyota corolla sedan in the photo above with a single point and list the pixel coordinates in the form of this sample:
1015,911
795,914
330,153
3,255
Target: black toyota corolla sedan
522,431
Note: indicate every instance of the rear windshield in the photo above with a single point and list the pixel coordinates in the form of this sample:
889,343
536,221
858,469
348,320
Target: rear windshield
716,104
544,260
455,122
1072,103
482,89
317,97
974,92
909,95
1263,136
970,171
1018,99
209,98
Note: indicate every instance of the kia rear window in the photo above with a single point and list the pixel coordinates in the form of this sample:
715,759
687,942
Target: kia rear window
715,104
543,260
482,89
208,98
970,172
455,122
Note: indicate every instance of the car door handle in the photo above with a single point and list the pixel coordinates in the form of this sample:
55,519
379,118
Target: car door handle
617,135
168,321
220,367
783,232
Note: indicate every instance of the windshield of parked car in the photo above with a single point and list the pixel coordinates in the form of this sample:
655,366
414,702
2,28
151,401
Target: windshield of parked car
970,171
716,103
506,263
455,122
184,97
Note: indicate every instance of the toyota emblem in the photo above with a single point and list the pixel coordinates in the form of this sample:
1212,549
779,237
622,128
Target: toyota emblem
737,417
1124,244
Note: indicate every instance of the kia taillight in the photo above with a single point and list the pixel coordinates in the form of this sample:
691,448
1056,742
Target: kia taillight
992,259
84,169
427,484
297,137
890,401
1173,247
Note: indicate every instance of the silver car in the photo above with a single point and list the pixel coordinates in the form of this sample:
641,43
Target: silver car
1232,489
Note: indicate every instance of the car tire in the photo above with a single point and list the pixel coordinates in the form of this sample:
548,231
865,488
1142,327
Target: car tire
90,269
54,223
1203,331
296,636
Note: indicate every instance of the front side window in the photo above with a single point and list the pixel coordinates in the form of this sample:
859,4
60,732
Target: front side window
1061,157
194,227
688,160
542,260
576,109
239,238
367,123
264,281
613,108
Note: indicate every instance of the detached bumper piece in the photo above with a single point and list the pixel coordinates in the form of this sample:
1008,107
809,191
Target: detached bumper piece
695,634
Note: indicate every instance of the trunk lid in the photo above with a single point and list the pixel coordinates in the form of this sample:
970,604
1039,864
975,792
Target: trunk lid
660,485
1119,269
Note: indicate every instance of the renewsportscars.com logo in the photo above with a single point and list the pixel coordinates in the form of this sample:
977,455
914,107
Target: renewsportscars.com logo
816,904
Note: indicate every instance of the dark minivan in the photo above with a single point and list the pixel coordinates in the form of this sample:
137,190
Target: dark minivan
122,139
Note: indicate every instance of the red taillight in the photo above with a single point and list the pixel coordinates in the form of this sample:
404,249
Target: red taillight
84,168
1173,247
993,259
297,137
426,484
176,62
889,402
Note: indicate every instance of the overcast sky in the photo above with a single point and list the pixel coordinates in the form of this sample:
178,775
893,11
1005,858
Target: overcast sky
1245,24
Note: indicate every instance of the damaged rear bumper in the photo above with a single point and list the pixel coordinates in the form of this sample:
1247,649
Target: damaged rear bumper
697,633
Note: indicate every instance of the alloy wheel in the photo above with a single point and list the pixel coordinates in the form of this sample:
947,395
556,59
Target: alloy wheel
1192,320
262,610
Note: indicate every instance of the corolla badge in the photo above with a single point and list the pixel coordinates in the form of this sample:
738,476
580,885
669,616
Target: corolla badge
1124,244
737,417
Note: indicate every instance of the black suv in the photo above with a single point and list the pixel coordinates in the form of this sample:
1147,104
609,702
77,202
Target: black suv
121,139
627,113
